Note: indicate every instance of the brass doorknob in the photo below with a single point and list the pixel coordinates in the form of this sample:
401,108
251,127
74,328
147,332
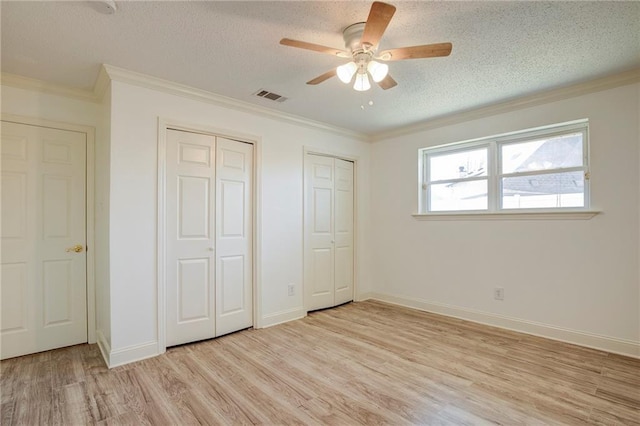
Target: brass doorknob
77,248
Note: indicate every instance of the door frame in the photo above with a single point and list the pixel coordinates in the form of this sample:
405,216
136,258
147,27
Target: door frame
341,156
90,134
168,123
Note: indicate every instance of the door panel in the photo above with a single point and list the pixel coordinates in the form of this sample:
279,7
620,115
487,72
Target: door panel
322,211
232,294
57,203
322,284
58,291
194,207
234,228
232,209
193,290
14,297
344,270
190,274
43,282
14,191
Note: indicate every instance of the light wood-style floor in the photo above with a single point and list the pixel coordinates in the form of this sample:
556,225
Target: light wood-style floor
361,363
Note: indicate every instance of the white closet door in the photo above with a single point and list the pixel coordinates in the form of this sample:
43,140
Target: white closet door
43,271
319,232
343,231
234,229
190,262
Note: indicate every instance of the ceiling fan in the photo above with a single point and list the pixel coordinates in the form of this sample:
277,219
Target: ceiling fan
361,41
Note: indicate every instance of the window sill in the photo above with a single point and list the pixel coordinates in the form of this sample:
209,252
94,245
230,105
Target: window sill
510,215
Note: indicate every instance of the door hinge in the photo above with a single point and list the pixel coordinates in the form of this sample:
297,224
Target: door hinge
587,175
424,186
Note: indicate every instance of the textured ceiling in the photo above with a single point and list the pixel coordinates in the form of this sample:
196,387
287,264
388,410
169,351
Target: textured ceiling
501,50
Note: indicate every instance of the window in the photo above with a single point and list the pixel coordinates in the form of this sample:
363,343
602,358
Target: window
528,170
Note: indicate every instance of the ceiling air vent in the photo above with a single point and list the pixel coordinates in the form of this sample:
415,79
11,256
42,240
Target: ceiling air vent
270,95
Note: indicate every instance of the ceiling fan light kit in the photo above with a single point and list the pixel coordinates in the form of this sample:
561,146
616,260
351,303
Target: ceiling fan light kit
361,40
362,83
377,70
345,72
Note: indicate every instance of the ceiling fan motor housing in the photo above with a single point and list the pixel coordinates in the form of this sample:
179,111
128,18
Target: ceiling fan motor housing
352,36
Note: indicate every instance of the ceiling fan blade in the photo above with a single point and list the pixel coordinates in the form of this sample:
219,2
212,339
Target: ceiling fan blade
416,52
315,47
319,79
377,22
387,83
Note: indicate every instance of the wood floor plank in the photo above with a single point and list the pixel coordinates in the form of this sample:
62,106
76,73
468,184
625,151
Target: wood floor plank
23,373
126,419
360,363
105,397
69,368
206,385
261,406
70,405
6,412
34,406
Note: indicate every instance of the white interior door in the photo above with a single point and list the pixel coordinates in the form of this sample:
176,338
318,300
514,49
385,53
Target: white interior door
343,235
43,271
190,253
209,252
234,229
329,223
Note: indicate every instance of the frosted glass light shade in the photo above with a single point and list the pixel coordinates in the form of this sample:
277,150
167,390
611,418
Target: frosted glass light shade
378,71
362,83
345,72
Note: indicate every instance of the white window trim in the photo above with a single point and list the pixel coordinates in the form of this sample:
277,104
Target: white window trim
537,214
495,210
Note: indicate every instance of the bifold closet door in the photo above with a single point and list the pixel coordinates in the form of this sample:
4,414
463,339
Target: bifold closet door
328,251
190,237
343,235
234,230
208,236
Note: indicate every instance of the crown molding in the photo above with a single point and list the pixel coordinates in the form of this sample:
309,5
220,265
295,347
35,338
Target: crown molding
566,92
108,73
154,83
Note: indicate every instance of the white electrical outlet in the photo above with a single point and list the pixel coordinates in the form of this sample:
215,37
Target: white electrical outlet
292,289
498,293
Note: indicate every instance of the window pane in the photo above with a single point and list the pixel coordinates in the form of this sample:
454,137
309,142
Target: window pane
543,191
459,196
557,152
458,165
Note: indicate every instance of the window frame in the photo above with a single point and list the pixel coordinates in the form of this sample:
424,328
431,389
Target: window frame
495,173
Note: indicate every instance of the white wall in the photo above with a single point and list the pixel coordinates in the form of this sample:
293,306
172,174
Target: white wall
575,275
45,106
134,127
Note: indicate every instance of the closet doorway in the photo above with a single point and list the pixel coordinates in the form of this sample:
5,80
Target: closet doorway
209,235
329,231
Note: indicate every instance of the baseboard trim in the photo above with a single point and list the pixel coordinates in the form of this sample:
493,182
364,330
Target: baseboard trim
364,296
618,346
283,316
132,354
104,346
